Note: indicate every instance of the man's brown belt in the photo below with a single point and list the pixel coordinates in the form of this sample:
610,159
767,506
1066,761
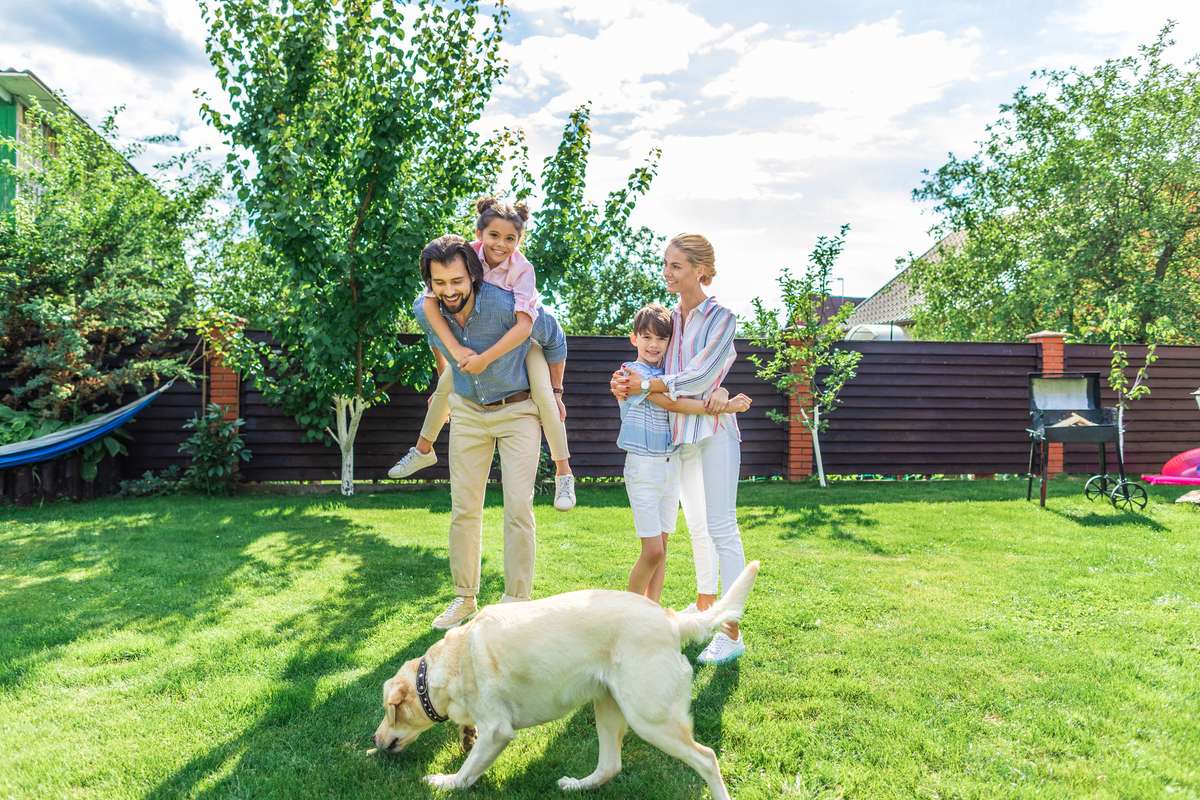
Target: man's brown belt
516,397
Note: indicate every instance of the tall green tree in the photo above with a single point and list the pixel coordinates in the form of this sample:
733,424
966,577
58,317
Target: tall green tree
1084,190
94,279
351,146
592,264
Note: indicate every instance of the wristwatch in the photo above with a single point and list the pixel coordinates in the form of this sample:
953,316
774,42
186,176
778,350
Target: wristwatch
645,386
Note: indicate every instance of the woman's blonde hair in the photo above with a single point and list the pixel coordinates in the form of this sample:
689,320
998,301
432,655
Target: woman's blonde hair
699,253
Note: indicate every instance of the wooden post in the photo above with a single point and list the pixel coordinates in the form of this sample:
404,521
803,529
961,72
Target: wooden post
1053,358
23,490
71,478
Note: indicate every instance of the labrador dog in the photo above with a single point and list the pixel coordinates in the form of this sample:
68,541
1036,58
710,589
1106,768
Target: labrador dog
522,664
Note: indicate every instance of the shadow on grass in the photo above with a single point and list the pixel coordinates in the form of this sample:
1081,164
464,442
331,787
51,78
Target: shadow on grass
1114,519
161,573
842,523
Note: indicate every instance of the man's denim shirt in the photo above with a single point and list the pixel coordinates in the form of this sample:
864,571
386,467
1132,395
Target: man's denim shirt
492,317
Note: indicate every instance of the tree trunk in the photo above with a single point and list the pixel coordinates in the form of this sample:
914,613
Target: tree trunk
817,445
348,413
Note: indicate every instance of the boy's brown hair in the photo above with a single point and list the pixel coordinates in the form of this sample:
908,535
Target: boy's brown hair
654,318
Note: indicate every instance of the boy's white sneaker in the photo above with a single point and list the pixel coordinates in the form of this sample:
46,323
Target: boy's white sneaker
564,492
413,461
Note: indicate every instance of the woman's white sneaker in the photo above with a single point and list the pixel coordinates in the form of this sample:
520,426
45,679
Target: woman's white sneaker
722,650
413,461
564,492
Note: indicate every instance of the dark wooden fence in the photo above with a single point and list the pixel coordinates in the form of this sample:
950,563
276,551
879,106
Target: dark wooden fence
1157,426
948,407
933,407
914,407
282,453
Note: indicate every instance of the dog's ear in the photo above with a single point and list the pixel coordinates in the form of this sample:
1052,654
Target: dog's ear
398,694
467,737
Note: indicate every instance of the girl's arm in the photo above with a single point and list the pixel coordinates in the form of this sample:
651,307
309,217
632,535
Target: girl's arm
438,323
516,334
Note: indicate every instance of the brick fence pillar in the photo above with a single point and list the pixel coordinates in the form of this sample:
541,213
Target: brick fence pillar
224,385
1052,354
800,445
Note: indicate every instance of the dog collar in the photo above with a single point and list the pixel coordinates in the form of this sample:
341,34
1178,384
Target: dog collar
423,693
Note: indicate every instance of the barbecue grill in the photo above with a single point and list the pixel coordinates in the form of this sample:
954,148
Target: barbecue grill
1065,407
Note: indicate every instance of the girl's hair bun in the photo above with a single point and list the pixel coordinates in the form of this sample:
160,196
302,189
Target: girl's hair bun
521,209
484,203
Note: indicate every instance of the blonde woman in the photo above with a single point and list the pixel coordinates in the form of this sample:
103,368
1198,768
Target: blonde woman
697,360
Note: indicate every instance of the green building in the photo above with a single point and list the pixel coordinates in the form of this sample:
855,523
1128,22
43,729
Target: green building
19,89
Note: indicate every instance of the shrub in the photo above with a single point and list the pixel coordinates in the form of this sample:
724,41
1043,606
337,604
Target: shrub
215,448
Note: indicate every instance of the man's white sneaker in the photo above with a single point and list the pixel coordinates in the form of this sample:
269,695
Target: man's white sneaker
722,650
456,613
564,492
413,460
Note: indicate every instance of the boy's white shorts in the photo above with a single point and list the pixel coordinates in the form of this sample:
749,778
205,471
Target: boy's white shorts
653,486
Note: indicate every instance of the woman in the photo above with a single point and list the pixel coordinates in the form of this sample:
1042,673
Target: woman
698,358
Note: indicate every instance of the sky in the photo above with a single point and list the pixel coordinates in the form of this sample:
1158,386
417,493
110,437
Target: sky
778,120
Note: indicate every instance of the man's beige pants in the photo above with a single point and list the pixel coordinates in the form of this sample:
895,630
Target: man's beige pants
475,433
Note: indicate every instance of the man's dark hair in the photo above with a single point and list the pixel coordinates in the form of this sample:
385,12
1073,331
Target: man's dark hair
445,249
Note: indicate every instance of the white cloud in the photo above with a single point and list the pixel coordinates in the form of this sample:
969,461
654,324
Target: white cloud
871,72
1122,25
616,67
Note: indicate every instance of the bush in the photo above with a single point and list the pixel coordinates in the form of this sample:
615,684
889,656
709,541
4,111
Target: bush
215,448
168,481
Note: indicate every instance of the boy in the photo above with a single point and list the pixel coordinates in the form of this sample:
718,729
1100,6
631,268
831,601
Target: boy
651,472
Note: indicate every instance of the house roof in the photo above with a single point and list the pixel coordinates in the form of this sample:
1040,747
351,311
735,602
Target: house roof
896,301
23,83
834,303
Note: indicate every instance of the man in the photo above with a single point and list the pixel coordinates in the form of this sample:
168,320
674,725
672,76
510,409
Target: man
490,409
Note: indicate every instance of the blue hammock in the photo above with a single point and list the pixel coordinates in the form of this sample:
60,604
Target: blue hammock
55,444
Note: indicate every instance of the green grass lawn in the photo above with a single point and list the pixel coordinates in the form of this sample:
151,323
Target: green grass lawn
905,640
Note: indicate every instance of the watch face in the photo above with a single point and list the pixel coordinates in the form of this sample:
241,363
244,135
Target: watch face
645,386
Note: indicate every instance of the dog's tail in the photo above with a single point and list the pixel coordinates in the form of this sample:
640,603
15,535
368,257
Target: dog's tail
696,625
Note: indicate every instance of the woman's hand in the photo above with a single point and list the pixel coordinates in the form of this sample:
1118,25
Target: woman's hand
473,364
621,384
738,404
562,408
717,400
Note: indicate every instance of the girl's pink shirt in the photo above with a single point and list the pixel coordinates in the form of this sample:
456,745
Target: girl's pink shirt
516,275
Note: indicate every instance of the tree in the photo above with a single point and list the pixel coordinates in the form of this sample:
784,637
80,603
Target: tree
1120,326
591,263
804,344
1084,190
351,146
94,280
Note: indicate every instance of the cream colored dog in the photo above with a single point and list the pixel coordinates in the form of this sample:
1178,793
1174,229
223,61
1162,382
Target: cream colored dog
522,664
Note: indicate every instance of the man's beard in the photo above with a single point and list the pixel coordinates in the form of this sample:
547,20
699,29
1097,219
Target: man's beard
462,303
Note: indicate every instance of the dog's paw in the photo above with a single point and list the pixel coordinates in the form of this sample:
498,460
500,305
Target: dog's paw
444,782
569,784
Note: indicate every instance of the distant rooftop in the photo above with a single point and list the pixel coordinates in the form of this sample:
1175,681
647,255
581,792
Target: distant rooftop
896,301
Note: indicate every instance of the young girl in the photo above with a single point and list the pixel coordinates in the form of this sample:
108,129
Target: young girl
499,230
651,457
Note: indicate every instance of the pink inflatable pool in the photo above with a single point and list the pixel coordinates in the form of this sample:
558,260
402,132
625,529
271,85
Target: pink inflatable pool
1182,470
